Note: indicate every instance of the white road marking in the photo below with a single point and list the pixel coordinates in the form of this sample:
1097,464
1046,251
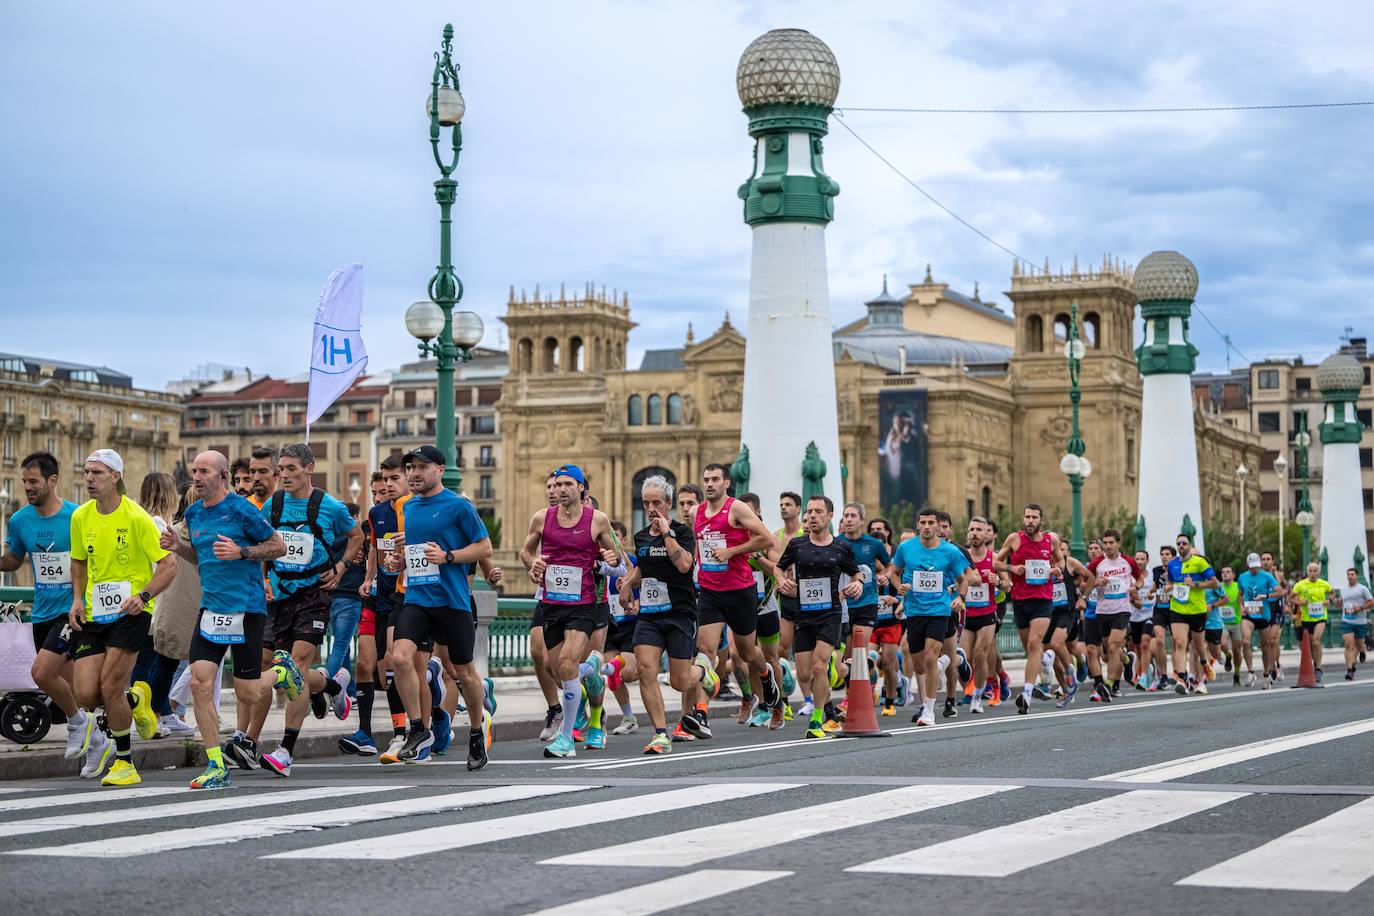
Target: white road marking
1038,840
728,838
1332,854
89,797
221,834
518,826
699,755
668,894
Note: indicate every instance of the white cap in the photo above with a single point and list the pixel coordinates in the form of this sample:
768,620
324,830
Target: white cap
108,457
1253,561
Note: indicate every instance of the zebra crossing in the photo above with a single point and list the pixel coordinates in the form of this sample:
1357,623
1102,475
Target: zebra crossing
1328,854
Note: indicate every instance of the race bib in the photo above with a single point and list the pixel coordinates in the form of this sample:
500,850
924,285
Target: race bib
758,584
613,601
1037,572
928,581
1254,609
387,544
653,597
978,595
1061,594
1115,589
300,547
52,571
1228,612
814,594
1182,593
1316,610
419,571
107,598
222,629
712,541
563,584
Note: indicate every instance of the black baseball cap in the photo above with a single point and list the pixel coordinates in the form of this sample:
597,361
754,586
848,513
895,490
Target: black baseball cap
426,453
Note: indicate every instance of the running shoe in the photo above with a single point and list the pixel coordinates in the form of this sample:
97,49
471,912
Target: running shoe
778,716
818,733
710,681
1082,669
442,727
553,719
1102,693
174,726
806,710
478,742
1361,655
1235,678
1180,688
489,695
360,743
1004,685
832,674
1250,679
289,677
681,734
628,726
423,755
79,735
927,716
342,703
392,754
416,742
1022,704
594,679
976,707
98,755
1039,693
1202,688
487,730
760,717
831,726
319,705
660,743
703,723
1130,666
241,751
434,677
561,746
950,710
1350,673
214,777
279,762
789,679
746,710
771,693
1268,682
145,720
1047,659
1230,661
596,739
903,690
888,710
580,722
579,735
965,669
787,713
122,774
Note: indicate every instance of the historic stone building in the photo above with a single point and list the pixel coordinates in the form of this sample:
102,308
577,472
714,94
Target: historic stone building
990,405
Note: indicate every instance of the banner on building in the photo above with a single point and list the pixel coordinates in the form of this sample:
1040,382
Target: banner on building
903,446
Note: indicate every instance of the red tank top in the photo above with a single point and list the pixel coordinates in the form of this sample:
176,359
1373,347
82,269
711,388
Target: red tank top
981,598
716,531
1037,557
572,556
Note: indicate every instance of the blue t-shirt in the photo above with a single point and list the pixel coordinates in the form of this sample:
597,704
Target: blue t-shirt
929,594
30,535
333,520
866,549
1253,583
384,525
228,586
451,522
1214,613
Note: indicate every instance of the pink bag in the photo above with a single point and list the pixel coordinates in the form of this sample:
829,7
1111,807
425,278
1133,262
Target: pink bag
16,650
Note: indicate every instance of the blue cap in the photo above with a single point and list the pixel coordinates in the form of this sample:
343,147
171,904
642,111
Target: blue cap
573,471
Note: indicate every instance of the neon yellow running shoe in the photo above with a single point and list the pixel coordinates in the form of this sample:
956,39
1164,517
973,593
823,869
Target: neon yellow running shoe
122,774
144,717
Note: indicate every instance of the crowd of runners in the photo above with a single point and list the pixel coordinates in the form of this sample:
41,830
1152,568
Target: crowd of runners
256,563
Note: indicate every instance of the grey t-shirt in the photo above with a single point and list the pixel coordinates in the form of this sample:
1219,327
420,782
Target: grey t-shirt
1353,600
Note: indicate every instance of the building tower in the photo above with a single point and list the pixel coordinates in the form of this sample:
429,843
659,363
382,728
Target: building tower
1342,539
1170,498
788,81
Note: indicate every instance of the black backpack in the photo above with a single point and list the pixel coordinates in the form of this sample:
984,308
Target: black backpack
312,519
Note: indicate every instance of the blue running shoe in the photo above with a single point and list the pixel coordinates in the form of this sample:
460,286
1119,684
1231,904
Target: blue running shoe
1004,686
761,717
442,726
965,670
1072,692
596,739
789,679
1082,670
360,743
595,680
560,746
436,682
489,695
423,755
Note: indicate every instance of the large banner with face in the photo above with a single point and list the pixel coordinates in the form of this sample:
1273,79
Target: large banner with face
903,476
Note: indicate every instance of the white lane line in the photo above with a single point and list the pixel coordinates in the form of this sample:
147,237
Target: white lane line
692,847
1332,854
428,763
208,802
89,797
668,894
1211,760
1035,841
257,828
12,791
723,752
476,833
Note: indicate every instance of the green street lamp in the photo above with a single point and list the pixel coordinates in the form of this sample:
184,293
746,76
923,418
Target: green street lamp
444,334
1304,518
1073,465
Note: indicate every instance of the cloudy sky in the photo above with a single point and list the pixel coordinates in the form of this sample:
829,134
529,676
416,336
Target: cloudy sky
179,179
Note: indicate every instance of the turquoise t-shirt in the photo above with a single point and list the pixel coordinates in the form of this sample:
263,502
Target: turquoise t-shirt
47,542
228,586
930,571
333,520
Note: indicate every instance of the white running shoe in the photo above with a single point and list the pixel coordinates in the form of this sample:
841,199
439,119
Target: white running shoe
628,726
927,715
975,705
806,709
279,762
552,723
1250,679
175,726
944,663
79,734
98,757
1047,659
341,702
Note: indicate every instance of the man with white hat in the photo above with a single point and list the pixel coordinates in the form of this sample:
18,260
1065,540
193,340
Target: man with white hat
118,567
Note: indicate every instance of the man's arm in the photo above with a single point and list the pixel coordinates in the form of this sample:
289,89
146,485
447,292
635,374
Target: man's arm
11,561
741,516
475,552
1009,547
535,534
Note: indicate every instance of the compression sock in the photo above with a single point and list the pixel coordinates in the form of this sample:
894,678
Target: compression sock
571,696
366,692
625,708
123,746
288,739
1097,680
594,715
584,669
216,756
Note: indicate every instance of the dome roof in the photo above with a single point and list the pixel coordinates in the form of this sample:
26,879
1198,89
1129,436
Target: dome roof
787,67
1165,275
881,346
1340,372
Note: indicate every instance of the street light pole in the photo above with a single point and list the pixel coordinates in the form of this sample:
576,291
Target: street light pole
1242,473
1305,518
1281,468
1073,464
433,319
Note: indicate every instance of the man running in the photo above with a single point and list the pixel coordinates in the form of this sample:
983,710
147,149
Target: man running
42,532
789,509
1257,587
1160,622
1114,577
1355,604
1225,601
1308,603
1189,576
931,572
262,473
1030,556
769,631
117,569
812,567
1269,639
241,476
1142,623
980,614
229,542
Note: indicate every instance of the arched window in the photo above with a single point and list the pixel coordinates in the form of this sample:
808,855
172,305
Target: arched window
655,410
637,503
525,355
577,355
1092,331
1035,334
674,410
634,411
550,360
1061,327
987,503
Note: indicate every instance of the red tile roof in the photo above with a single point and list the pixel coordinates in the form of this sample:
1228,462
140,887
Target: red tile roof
273,389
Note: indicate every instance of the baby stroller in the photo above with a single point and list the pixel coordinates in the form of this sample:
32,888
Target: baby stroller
26,715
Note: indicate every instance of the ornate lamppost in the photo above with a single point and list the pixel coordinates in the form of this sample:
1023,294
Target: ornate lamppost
1073,464
1304,518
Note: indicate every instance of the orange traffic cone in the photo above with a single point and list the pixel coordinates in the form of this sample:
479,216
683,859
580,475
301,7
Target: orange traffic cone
1307,675
861,719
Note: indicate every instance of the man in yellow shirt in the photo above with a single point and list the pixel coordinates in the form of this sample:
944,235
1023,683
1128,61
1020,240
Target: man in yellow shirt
118,567
1308,600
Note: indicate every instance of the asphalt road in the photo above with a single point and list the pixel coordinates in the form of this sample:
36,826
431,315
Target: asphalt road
1239,802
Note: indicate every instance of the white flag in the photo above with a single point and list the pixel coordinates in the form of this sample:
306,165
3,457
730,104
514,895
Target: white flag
337,356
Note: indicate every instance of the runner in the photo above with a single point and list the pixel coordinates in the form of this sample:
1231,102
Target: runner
229,542
727,531
117,570
1189,576
1142,623
443,535
689,496
561,551
928,569
1115,576
812,568
241,476
980,616
666,610
262,471
1269,639
789,509
620,667
1308,603
887,628
1161,679
1257,587
42,532
1029,556
955,664
1225,602
769,632
321,539
1355,604
539,653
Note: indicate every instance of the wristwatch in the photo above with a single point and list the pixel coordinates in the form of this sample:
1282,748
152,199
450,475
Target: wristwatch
145,596
448,556
243,553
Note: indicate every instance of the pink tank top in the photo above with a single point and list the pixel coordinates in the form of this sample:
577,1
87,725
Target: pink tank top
572,556
981,597
1037,557
716,531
